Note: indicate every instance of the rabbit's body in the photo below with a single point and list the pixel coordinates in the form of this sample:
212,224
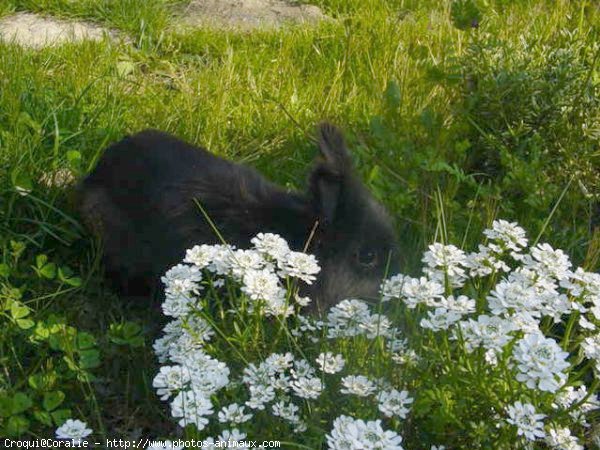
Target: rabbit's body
148,196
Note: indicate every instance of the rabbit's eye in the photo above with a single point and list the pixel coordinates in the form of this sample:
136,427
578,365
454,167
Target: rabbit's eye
367,257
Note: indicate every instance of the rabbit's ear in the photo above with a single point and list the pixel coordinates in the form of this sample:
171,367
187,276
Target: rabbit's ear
333,149
329,173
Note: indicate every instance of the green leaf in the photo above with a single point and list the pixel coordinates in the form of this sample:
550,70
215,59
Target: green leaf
25,324
17,248
85,341
42,381
53,400
4,270
5,405
128,333
70,363
74,281
16,426
89,359
26,119
66,276
40,261
18,310
20,402
36,381
21,182
125,68
393,95
43,417
48,271
41,331
465,14
60,416
131,329
137,341
74,159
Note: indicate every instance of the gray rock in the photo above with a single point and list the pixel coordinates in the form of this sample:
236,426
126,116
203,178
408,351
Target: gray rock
35,31
249,14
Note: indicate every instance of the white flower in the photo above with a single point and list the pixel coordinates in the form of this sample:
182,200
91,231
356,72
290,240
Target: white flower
231,436
261,284
357,385
221,259
259,396
278,362
307,387
75,430
485,262
525,322
345,318
272,245
330,363
287,411
491,357
170,379
461,304
302,369
299,265
591,348
508,234
207,374
560,438
233,413
302,301
191,407
570,396
243,261
490,332
541,362
445,261
392,287
394,403
281,382
254,375
182,280
548,262
375,325
509,297
356,434
421,291
199,255
177,305
528,423
586,324
440,319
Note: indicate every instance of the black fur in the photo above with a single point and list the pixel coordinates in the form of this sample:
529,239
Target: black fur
140,200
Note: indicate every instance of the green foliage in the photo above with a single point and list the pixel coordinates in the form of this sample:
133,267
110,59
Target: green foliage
43,358
534,109
465,14
127,333
451,125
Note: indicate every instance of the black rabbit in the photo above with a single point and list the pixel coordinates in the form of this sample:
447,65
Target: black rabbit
143,196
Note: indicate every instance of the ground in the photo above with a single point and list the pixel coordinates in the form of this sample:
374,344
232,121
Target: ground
33,30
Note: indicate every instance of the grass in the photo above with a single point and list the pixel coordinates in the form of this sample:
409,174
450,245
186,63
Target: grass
391,73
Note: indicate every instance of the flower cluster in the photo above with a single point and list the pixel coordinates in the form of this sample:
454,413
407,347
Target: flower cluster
73,430
193,381
193,376
522,323
353,434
